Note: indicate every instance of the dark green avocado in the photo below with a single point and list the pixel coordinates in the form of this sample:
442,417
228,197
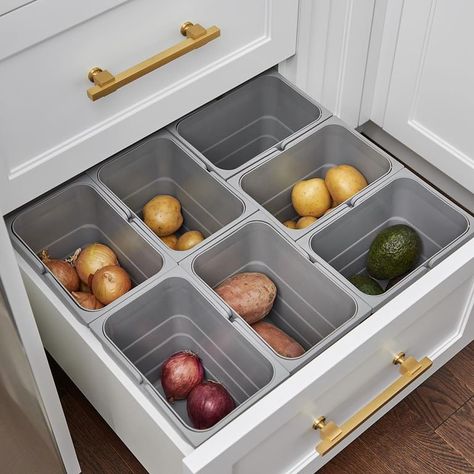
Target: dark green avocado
393,252
365,284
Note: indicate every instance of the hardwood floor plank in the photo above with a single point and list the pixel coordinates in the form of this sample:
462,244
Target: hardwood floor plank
356,459
462,366
439,397
408,444
458,431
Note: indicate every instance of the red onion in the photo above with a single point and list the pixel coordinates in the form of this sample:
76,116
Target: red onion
180,374
208,403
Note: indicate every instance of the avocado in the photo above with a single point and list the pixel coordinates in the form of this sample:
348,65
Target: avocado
394,251
365,284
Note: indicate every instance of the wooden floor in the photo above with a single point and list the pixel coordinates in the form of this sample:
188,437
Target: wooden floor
431,431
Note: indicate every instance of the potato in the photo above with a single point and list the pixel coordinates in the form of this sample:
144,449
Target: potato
189,239
249,294
343,182
305,222
170,240
162,215
290,224
278,340
311,197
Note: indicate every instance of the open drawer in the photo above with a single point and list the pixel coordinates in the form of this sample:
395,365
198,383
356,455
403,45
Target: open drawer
433,317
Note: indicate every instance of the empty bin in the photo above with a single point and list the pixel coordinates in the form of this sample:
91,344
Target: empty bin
330,144
173,316
230,133
159,165
73,218
311,306
344,243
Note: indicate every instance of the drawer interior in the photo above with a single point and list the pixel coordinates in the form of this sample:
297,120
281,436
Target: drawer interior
331,144
309,305
173,316
76,217
160,166
236,128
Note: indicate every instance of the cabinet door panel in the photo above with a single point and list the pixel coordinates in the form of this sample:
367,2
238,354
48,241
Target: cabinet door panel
430,102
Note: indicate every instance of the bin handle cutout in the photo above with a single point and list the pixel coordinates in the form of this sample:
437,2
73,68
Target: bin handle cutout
105,83
332,434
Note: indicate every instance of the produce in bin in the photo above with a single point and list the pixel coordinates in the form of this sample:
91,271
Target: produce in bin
171,241
162,214
64,272
305,221
182,377
87,300
311,197
394,281
290,224
366,284
92,275
278,340
250,294
394,251
343,182
189,239
208,403
180,374
317,197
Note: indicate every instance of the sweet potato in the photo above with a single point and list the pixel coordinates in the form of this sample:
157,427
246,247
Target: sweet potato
250,294
281,343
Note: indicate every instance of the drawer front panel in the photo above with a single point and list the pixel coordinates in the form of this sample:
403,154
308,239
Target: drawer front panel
348,375
43,86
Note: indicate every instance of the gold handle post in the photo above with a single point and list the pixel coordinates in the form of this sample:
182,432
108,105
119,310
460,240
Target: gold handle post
105,83
332,434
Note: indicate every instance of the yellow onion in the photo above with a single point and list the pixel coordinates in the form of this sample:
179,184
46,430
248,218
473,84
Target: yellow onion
87,300
180,374
63,271
208,403
93,258
109,283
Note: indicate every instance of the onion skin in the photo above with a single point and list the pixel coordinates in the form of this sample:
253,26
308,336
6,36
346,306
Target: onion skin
180,374
64,272
110,283
208,403
93,258
87,300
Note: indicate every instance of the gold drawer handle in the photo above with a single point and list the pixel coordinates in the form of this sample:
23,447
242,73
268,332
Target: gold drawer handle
332,434
105,83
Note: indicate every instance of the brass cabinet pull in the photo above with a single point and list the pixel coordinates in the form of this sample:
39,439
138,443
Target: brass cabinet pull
332,434
105,83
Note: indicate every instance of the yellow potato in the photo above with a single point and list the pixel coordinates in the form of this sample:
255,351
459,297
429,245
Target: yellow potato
343,182
311,197
289,223
162,215
189,239
305,222
170,240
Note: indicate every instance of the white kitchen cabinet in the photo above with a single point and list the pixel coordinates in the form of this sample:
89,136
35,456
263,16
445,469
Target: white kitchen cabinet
425,83
52,132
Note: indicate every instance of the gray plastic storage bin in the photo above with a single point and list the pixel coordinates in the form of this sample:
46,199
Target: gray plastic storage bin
235,130
310,156
311,306
344,242
160,165
73,217
170,316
